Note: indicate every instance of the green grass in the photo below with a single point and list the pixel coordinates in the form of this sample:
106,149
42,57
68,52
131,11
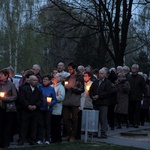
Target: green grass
77,146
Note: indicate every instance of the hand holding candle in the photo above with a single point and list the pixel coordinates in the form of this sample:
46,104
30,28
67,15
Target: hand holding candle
66,83
87,88
2,94
49,99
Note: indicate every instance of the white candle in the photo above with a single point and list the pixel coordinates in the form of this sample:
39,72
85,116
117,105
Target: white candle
49,99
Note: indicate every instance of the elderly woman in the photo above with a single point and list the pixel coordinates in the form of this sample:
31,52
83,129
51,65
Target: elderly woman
121,108
8,95
57,109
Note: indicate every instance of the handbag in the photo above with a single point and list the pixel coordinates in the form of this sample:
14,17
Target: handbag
11,107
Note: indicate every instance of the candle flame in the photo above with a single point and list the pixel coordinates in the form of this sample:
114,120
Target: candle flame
87,87
49,99
66,82
2,94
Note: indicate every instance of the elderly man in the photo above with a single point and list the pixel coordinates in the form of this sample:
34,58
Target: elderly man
30,101
137,92
61,70
126,70
81,69
100,92
36,68
119,69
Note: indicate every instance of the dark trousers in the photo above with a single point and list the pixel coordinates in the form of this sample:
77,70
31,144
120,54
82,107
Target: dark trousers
28,121
44,120
56,128
70,113
134,112
15,125
103,118
6,120
120,118
143,115
111,115
78,134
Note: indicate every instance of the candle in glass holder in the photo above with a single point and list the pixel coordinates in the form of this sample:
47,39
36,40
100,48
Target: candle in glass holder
2,94
66,82
49,99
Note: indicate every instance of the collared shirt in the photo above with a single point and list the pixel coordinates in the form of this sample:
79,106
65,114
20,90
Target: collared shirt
32,88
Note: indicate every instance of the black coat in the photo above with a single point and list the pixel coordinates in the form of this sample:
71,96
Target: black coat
104,91
27,97
137,87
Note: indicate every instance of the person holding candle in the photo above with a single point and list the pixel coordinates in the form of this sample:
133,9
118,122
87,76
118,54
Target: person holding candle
86,101
49,100
87,82
8,93
71,104
57,109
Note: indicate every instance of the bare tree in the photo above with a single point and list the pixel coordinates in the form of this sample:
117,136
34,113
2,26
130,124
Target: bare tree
108,19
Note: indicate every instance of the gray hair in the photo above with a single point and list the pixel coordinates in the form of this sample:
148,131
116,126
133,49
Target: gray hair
60,77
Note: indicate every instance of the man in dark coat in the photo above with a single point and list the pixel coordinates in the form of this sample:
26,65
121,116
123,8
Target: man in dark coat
137,92
100,92
30,101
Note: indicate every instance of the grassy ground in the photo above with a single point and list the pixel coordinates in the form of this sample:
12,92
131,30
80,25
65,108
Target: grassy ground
78,146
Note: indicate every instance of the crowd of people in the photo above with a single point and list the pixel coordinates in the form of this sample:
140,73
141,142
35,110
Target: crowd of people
48,109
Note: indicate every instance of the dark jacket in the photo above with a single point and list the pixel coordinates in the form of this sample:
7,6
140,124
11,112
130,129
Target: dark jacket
104,91
73,95
27,97
137,87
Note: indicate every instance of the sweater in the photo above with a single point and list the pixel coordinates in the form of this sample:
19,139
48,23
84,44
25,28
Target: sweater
47,91
60,96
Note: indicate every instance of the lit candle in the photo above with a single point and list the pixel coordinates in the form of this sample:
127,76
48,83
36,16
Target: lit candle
87,87
66,82
2,94
49,99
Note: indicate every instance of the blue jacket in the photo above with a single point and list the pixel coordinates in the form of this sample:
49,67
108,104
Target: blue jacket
47,91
